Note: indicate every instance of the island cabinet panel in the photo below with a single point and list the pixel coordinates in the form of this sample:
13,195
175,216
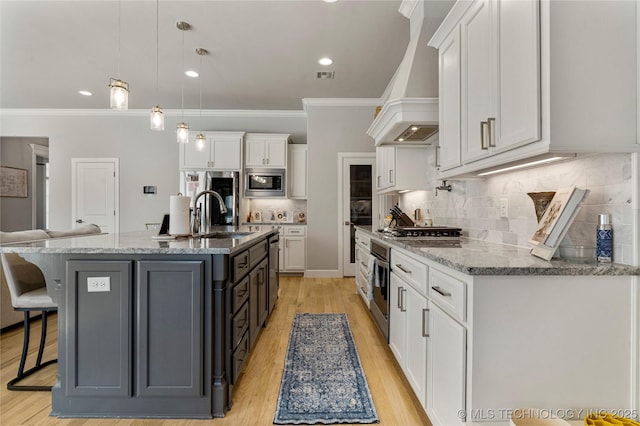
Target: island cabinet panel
98,326
170,308
258,300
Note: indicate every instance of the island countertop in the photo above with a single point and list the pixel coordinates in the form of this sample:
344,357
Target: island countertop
142,242
476,257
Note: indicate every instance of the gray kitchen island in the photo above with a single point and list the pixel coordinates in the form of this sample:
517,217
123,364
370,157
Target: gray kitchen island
155,328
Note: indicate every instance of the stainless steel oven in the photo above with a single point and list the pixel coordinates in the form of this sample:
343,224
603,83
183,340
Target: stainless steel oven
381,272
264,183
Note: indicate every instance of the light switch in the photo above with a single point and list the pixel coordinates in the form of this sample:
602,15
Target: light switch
504,207
98,284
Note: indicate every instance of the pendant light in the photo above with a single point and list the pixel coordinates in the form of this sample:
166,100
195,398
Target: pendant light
119,90
201,139
157,116
182,129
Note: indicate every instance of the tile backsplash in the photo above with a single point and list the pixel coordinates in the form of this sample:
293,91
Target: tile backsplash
473,205
278,210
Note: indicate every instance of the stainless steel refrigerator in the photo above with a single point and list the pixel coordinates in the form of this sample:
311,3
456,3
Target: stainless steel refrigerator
224,183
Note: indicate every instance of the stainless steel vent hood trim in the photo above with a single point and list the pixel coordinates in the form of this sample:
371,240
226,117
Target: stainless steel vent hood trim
412,93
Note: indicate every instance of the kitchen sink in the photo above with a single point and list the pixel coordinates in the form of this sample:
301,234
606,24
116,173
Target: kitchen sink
225,234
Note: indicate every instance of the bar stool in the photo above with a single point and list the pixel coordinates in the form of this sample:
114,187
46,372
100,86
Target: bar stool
28,293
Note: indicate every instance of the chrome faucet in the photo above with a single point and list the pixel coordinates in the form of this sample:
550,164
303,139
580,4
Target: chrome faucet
195,229
443,187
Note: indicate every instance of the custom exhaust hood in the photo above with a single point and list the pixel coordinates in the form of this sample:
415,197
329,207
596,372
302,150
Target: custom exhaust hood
410,113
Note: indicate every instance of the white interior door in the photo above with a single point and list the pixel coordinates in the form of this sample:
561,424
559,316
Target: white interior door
95,193
358,202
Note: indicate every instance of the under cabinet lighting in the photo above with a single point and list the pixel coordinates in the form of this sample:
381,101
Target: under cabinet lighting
191,73
325,61
522,166
85,93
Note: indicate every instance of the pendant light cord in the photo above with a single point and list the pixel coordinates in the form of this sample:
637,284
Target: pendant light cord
119,15
157,48
200,91
183,74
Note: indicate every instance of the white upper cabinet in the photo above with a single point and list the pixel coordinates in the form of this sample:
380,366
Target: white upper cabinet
401,168
222,151
522,80
297,171
266,150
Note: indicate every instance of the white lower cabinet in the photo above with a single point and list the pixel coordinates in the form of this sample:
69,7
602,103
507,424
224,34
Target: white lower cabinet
292,249
407,331
446,367
500,342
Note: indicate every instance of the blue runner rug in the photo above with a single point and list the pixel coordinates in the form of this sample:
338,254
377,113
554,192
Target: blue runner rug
323,381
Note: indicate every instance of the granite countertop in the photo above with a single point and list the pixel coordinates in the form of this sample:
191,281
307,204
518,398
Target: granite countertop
476,257
141,242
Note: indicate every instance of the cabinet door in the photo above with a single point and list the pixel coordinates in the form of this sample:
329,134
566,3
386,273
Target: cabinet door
385,163
449,139
226,153
297,171
446,367
255,152
192,158
518,120
416,356
263,286
276,153
478,59
98,354
397,319
294,254
170,328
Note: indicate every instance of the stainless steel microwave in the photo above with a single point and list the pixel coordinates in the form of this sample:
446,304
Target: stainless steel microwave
264,183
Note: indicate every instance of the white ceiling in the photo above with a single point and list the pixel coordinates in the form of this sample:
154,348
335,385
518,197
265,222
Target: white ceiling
263,54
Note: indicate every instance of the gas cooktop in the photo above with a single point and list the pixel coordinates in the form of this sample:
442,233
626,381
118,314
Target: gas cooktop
422,231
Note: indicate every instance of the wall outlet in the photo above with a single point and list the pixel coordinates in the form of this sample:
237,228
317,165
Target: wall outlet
504,207
98,284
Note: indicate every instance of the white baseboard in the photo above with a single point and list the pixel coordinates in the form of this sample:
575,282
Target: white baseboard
322,273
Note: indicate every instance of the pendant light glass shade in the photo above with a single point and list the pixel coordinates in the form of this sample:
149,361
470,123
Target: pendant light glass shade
182,131
157,118
119,94
201,142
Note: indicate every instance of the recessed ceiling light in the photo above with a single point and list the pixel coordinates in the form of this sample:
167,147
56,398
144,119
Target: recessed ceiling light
191,73
325,61
85,93
329,1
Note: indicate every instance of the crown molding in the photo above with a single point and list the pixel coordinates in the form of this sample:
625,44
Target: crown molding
229,113
340,102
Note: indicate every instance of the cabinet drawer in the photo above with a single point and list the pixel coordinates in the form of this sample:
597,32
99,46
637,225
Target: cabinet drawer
410,270
240,265
362,240
362,258
239,294
239,357
449,293
294,230
240,324
258,252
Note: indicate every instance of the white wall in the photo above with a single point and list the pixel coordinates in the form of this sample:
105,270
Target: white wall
331,128
146,157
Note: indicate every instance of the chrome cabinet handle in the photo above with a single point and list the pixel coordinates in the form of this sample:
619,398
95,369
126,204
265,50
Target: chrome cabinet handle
482,132
440,292
491,121
399,298
390,175
79,221
425,322
403,308
437,155
399,266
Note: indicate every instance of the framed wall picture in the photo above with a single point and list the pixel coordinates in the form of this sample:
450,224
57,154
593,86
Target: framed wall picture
13,182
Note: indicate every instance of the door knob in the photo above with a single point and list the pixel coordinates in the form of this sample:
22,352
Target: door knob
347,223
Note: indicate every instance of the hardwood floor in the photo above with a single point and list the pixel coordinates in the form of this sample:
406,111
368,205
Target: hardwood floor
256,394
